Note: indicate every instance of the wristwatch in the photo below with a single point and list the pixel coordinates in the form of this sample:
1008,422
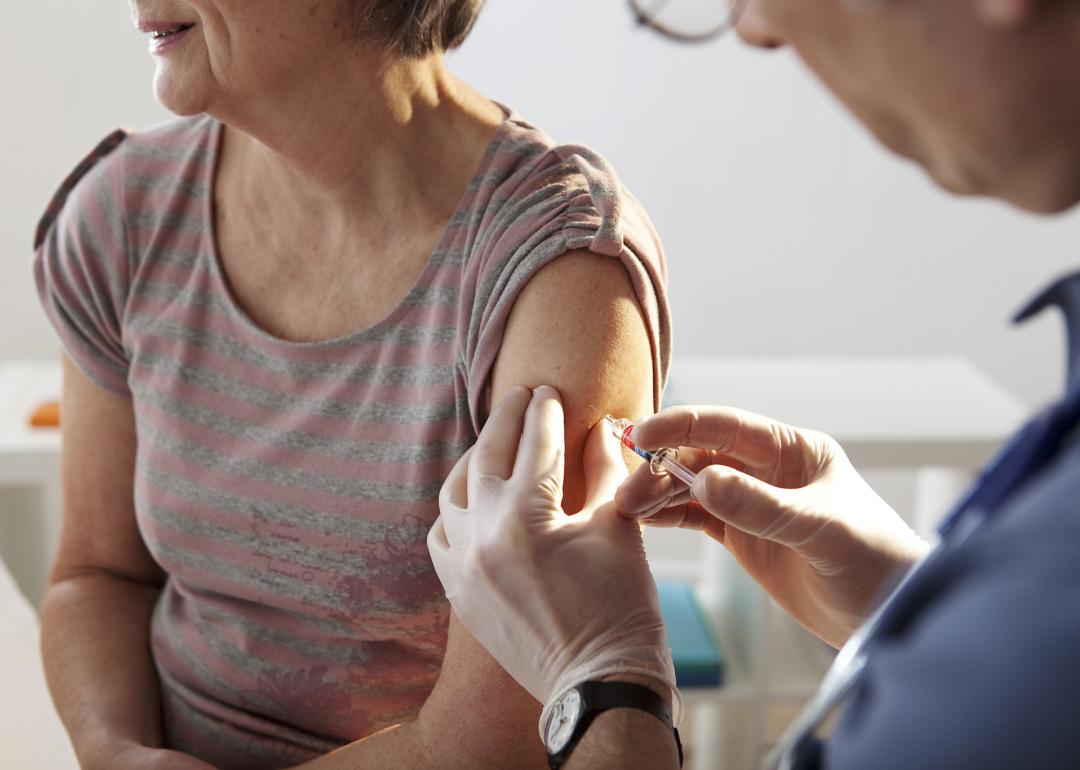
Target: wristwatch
576,708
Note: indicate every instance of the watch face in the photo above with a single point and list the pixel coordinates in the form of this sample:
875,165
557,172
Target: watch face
564,717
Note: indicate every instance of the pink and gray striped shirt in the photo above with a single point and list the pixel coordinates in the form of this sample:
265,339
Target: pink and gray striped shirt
287,488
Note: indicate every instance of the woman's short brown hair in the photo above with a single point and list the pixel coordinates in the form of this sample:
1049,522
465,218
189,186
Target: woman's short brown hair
416,28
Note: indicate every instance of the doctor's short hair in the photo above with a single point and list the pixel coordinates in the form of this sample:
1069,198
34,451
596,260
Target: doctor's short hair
416,28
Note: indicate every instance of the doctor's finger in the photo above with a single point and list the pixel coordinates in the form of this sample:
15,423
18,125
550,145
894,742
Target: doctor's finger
645,492
542,449
455,520
665,514
743,436
494,451
604,466
686,514
447,562
755,507
455,489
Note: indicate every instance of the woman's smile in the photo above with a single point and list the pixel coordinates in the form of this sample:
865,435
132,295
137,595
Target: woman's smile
164,34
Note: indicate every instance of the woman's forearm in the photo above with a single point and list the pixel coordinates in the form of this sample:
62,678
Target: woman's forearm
438,746
476,718
95,644
95,630
401,747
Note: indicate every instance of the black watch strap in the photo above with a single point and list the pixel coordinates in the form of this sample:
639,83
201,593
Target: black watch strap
598,697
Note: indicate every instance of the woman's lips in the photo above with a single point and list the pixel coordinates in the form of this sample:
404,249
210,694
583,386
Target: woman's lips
165,33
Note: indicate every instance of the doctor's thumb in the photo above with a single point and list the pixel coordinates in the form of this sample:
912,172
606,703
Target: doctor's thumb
604,467
750,505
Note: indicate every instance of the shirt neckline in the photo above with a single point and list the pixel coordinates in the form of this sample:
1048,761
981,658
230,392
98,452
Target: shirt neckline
431,265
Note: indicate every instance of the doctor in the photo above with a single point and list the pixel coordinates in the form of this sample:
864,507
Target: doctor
974,659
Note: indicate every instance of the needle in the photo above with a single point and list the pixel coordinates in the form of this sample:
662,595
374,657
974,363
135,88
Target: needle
660,462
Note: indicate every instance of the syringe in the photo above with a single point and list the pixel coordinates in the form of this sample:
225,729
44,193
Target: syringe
660,462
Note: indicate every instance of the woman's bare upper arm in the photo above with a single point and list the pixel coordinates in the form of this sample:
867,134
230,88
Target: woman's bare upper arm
99,531
577,326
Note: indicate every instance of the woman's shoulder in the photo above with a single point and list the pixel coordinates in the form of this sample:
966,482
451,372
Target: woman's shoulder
88,174
538,184
127,166
526,159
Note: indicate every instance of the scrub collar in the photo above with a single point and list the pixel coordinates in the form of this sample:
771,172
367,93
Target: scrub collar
1063,293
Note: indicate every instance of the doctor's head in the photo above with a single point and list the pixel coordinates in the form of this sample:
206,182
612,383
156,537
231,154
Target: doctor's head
985,94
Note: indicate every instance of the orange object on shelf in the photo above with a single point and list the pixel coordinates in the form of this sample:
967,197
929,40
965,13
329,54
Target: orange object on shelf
47,415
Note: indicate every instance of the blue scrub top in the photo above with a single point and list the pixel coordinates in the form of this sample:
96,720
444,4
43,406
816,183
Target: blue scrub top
984,669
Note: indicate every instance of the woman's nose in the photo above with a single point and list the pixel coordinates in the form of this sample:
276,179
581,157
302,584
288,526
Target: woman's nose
754,30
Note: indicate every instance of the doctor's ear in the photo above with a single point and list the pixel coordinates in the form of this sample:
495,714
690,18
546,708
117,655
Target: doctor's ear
1006,13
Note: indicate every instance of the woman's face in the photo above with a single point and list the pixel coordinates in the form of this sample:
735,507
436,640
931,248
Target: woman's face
214,55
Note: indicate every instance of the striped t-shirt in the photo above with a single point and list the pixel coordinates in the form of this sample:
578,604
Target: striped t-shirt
286,488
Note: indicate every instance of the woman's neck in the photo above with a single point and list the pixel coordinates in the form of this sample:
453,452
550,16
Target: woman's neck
364,141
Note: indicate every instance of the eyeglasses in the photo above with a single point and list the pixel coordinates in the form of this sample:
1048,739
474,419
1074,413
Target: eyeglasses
690,21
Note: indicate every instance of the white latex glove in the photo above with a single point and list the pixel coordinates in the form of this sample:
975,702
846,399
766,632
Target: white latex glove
555,599
788,505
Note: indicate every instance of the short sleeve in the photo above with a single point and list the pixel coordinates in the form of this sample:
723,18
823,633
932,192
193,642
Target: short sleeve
568,199
81,266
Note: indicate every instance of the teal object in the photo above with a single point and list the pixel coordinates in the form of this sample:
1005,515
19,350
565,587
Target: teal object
699,661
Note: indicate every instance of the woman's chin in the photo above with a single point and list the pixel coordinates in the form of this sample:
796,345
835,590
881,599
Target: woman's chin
178,97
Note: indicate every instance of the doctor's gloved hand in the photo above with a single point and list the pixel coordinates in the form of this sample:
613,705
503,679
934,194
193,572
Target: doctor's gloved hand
555,599
786,502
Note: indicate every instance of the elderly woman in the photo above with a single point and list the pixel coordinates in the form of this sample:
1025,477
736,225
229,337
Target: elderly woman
284,317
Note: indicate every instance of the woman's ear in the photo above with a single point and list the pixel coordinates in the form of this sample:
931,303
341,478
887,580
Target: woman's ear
1006,13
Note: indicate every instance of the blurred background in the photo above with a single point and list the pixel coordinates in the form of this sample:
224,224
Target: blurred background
790,237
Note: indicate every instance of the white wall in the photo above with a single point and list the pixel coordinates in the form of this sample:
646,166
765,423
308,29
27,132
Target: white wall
787,230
